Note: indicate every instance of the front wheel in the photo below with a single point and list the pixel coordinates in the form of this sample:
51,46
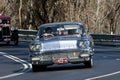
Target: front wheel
89,64
8,42
16,42
37,68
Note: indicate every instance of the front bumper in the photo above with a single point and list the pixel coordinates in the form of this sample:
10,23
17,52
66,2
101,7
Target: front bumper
72,57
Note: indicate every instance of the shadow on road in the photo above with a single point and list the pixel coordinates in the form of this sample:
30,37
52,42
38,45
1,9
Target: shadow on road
63,67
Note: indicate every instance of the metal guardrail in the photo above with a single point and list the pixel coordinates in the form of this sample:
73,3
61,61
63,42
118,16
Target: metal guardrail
27,35
106,39
99,39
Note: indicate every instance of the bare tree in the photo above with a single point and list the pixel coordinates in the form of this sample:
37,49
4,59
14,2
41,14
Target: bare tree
99,16
20,14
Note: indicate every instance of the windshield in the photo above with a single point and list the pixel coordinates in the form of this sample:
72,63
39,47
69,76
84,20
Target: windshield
4,21
60,30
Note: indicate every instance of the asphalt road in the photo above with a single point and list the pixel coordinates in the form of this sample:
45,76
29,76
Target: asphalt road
14,65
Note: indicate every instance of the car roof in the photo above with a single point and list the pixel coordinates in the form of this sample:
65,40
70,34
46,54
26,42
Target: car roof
60,23
4,17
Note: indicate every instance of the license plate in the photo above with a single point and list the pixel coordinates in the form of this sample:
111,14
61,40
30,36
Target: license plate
60,60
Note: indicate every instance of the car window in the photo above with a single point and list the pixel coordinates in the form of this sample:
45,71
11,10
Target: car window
62,30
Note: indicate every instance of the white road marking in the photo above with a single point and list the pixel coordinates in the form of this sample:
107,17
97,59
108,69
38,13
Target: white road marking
117,59
106,75
27,66
98,77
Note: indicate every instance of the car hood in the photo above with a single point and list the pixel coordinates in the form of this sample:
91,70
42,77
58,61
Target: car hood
58,43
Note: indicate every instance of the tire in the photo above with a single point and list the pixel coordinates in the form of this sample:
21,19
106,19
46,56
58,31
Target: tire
15,37
89,64
16,42
8,42
37,68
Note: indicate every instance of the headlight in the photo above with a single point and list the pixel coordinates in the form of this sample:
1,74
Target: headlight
87,43
83,43
35,47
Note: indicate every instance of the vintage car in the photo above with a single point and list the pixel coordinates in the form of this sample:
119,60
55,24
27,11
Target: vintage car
7,33
61,43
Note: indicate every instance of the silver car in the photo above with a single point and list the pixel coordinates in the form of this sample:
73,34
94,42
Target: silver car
61,43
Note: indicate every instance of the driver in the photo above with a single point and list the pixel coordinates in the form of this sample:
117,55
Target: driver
48,32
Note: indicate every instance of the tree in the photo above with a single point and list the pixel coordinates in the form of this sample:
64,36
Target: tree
20,14
99,16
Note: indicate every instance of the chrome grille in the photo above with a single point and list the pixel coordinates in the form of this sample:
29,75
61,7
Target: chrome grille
59,55
59,45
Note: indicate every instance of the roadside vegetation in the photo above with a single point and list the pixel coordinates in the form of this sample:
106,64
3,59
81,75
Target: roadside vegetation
99,16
